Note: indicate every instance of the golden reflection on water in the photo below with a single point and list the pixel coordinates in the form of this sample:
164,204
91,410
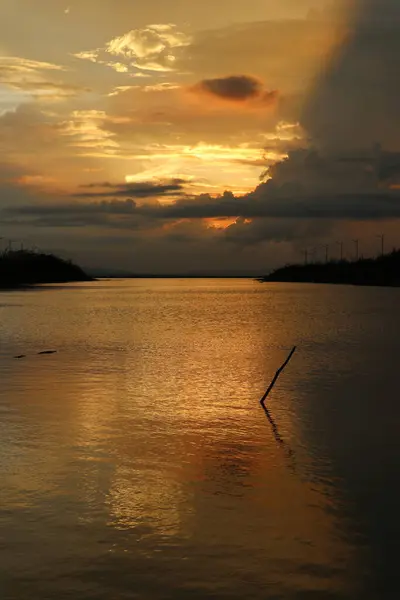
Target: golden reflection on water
148,421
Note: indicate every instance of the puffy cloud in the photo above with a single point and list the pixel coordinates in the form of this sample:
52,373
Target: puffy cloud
153,48
119,67
236,88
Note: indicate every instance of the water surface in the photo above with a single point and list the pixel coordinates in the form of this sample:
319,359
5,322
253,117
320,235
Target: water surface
136,462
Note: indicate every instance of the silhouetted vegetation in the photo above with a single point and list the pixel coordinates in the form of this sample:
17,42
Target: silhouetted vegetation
381,271
23,267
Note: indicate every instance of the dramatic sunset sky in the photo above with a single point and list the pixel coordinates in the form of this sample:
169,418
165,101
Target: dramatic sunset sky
185,135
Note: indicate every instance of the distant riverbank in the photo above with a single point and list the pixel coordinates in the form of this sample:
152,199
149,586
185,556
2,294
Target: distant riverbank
381,271
25,268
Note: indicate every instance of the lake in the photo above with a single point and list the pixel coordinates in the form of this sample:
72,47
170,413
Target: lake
137,462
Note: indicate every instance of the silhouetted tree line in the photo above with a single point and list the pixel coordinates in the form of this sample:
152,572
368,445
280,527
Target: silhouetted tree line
381,271
25,267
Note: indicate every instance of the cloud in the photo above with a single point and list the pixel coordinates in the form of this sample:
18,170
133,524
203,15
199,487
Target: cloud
107,214
162,134
86,130
32,78
120,89
90,55
354,101
166,119
305,187
49,89
144,189
246,232
119,67
263,204
285,53
12,194
28,132
111,205
153,48
161,87
235,88
16,64
309,185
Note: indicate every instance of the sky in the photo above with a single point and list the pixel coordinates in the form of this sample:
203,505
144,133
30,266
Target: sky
177,136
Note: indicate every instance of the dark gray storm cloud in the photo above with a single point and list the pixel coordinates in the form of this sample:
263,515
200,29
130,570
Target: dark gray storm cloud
281,219
355,99
306,186
235,88
106,214
145,189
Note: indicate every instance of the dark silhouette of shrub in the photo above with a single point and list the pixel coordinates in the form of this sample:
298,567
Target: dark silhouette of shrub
24,267
384,270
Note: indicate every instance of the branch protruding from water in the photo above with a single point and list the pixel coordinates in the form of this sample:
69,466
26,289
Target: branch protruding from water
279,371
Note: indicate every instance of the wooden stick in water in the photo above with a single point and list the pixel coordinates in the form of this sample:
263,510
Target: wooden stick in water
279,371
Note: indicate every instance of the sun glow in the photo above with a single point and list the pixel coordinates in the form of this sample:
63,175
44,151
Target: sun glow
210,168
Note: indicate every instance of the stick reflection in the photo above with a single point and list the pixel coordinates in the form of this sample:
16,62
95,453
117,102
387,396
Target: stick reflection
278,438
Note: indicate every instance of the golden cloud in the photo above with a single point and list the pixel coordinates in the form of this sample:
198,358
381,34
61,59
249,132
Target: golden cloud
152,48
31,77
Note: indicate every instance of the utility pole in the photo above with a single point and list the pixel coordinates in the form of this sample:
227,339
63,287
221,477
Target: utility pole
341,250
357,246
315,255
382,238
326,252
305,252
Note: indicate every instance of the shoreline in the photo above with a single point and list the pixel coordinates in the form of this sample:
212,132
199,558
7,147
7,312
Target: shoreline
383,271
344,283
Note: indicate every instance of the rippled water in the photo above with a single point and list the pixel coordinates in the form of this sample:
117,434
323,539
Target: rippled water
136,462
